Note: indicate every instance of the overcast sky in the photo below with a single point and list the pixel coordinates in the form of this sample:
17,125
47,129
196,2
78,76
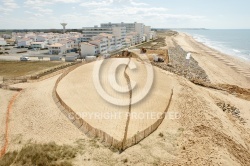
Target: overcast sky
30,14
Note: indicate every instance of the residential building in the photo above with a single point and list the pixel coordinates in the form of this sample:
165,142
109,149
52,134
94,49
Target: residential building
41,38
39,45
6,36
2,42
89,32
57,48
88,49
136,37
120,32
102,44
111,40
69,44
130,27
25,42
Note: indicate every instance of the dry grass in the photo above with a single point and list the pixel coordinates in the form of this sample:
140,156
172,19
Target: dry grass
16,69
41,155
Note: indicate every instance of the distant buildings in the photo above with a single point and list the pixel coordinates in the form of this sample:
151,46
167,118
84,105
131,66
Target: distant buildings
92,41
113,36
56,43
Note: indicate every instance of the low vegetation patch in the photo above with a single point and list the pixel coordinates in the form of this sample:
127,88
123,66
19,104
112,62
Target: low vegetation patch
41,155
17,69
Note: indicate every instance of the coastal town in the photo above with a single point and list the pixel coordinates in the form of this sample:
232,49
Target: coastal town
124,83
92,41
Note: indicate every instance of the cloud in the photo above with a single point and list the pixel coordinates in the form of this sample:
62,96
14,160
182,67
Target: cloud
101,3
8,6
127,11
137,3
28,12
43,10
47,2
97,3
38,15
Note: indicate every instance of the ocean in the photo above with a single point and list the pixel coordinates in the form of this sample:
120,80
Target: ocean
231,42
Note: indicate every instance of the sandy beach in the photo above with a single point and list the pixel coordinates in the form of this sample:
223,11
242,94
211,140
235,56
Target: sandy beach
204,133
220,68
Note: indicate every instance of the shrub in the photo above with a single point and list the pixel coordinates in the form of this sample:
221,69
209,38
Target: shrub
41,155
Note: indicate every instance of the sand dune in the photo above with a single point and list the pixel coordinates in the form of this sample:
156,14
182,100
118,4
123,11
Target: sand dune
196,130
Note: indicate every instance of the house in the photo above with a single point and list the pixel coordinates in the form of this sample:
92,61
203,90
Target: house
88,49
69,44
40,45
41,38
2,42
57,48
25,42
10,41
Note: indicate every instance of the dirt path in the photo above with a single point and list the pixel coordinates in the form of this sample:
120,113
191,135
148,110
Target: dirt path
6,135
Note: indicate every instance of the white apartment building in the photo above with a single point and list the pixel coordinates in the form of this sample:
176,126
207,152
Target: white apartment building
57,48
2,42
131,40
147,29
89,32
130,27
128,42
88,49
111,40
120,32
102,45
136,37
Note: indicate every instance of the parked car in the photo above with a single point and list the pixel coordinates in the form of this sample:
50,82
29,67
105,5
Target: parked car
24,59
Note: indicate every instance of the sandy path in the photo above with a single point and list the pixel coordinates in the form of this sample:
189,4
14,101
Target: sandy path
36,117
219,67
5,97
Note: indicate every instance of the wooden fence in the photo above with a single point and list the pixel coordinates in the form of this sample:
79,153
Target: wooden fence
93,132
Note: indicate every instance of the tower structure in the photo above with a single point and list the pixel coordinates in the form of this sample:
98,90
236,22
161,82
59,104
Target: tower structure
64,27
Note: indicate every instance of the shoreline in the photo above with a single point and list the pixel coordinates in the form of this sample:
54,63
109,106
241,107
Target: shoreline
227,50
217,50
222,69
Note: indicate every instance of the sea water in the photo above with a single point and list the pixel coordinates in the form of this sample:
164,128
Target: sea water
232,42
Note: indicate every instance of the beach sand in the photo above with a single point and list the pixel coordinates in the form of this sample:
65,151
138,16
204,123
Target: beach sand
195,131
220,68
